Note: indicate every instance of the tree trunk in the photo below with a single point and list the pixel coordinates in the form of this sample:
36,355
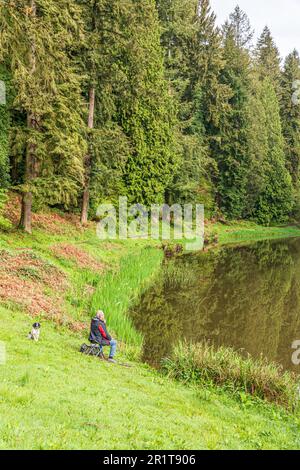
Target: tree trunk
31,162
31,172
86,190
25,222
85,205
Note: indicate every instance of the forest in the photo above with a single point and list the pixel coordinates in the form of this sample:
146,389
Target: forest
150,100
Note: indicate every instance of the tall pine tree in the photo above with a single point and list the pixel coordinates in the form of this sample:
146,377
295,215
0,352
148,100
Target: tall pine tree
274,201
104,38
241,28
267,59
36,38
193,62
290,116
231,148
145,108
258,147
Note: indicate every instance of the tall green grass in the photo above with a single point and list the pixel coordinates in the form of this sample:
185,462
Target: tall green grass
178,276
204,364
245,231
118,291
78,298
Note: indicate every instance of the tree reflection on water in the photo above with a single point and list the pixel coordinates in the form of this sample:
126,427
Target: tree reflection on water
246,297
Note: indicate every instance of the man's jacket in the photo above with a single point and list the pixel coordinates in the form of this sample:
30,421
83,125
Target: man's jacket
99,333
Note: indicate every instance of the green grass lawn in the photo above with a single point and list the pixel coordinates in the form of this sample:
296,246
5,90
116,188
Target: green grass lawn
52,397
127,267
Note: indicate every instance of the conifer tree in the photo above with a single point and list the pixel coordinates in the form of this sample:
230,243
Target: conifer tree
91,53
242,30
193,62
178,19
179,27
124,70
208,93
268,59
36,38
145,108
147,99
290,115
231,149
205,62
102,32
275,200
258,147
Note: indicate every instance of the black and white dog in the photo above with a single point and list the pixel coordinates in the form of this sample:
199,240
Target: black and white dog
35,332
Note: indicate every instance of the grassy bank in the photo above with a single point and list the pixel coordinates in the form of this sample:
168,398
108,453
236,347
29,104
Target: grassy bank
243,232
84,274
202,364
51,397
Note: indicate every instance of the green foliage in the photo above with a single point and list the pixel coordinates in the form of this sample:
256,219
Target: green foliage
131,149
4,223
204,364
4,132
37,48
183,112
145,109
274,202
258,145
192,55
267,59
4,163
290,117
110,152
230,149
192,183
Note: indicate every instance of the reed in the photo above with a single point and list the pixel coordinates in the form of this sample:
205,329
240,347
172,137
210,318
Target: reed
177,276
117,292
203,364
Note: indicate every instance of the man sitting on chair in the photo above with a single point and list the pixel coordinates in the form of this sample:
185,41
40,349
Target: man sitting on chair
100,335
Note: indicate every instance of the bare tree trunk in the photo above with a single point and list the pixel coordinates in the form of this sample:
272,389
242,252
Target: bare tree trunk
31,162
86,191
85,205
25,221
30,173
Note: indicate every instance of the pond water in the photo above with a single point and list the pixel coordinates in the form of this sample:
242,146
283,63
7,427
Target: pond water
244,297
